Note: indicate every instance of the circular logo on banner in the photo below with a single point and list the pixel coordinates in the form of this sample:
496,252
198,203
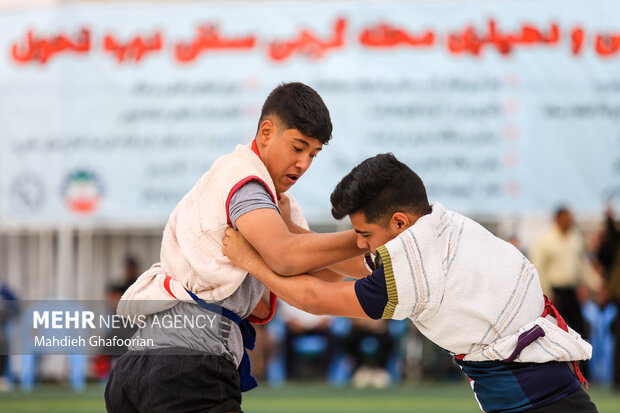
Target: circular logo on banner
27,193
82,191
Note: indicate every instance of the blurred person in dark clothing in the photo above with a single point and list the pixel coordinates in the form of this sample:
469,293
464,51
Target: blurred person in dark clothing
9,309
103,362
114,293
371,345
130,274
608,253
608,256
308,343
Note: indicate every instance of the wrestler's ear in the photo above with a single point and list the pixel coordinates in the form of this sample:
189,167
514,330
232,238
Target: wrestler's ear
399,222
266,131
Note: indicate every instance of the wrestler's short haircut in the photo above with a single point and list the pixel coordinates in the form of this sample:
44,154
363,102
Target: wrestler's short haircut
299,107
379,187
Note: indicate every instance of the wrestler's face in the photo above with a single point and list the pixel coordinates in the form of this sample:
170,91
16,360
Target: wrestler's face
287,153
370,235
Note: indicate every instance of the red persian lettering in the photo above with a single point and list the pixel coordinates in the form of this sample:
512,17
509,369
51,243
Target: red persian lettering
469,41
386,36
577,38
208,37
607,45
134,49
308,44
42,49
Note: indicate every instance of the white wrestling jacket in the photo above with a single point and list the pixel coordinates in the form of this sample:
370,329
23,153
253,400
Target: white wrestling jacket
191,249
472,293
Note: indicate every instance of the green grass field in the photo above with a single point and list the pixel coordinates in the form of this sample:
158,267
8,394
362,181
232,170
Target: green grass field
292,398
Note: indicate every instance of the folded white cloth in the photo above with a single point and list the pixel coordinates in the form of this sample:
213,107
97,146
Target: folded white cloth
151,293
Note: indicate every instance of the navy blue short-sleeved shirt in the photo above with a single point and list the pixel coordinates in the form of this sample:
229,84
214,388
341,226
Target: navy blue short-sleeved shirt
372,293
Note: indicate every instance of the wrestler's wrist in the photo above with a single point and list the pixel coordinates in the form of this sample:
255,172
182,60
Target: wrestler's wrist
254,264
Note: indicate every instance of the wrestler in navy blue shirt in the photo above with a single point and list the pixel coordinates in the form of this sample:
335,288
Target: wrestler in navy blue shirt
522,386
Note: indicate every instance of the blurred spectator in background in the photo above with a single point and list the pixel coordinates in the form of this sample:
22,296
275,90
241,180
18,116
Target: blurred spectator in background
308,343
371,345
561,259
262,353
566,272
9,309
427,361
131,272
103,362
608,256
599,313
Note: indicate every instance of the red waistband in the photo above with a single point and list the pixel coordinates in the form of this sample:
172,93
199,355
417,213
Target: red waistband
551,310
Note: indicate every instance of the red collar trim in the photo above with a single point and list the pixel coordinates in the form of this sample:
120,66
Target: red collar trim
255,150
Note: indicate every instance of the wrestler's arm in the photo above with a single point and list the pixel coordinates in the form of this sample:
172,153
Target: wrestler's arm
306,292
312,294
353,267
328,275
289,253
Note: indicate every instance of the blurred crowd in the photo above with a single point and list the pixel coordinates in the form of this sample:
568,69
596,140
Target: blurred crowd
579,272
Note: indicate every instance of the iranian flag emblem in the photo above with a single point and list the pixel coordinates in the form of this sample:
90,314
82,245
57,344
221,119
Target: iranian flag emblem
82,192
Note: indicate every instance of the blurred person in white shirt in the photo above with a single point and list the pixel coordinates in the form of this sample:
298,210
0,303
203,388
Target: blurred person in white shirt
566,272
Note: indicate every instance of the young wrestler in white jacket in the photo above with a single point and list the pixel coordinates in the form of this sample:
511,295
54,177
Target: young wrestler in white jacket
195,369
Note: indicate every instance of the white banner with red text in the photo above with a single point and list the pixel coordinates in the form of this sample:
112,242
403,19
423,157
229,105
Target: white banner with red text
110,113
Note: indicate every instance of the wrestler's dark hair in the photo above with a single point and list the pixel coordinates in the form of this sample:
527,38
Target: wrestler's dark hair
379,187
299,107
